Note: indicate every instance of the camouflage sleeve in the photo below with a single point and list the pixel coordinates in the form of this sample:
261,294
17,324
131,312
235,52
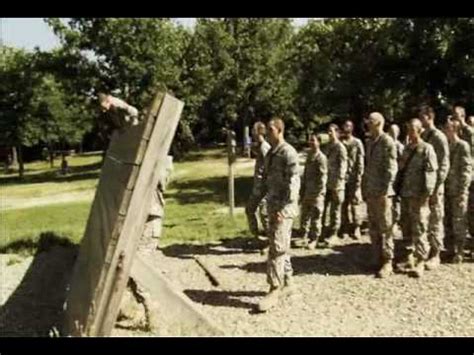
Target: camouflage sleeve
341,163
467,168
322,173
389,164
431,169
292,185
441,148
359,164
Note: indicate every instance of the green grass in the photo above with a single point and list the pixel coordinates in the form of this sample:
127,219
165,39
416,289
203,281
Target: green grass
195,209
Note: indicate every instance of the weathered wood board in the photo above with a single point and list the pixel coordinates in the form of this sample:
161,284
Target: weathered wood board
117,219
175,313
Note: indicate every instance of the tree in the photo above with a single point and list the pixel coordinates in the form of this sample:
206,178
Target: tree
17,80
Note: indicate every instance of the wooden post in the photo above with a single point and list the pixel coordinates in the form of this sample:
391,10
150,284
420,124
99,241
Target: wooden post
231,153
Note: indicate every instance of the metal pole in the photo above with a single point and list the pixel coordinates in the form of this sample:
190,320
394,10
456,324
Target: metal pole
231,145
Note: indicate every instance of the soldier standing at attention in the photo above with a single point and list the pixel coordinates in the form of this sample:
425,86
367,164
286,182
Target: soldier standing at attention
337,170
457,191
438,140
420,167
394,132
257,201
282,186
467,133
351,209
377,191
313,191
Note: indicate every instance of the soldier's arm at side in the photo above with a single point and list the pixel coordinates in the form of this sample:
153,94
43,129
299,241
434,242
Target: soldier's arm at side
467,168
322,174
442,151
431,169
390,165
292,185
341,163
359,165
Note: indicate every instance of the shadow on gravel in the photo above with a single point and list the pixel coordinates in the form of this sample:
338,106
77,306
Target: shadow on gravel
351,259
37,303
223,298
239,245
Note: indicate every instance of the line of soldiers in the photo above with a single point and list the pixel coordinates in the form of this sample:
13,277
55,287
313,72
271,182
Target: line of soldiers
426,186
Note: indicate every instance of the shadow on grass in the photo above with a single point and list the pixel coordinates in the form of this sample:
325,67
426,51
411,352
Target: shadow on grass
77,173
36,305
223,298
212,190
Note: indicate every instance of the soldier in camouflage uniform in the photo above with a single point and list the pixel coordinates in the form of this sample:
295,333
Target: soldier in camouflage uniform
438,140
394,132
257,201
120,112
419,181
281,186
351,207
467,133
337,170
312,193
457,191
377,191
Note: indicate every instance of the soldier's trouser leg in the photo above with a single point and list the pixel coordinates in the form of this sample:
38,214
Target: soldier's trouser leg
263,213
396,209
379,211
418,216
336,198
435,224
471,212
457,214
316,216
279,263
305,219
251,212
405,224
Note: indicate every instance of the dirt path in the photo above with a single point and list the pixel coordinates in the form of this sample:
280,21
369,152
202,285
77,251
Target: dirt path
20,203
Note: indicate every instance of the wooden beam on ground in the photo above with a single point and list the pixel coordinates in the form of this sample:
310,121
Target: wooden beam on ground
174,313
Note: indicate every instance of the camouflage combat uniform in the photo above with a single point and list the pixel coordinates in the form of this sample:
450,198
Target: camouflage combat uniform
122,113
337,170
418,184
154,223
396,199
377,191
467,134
457,191
281,186
313,190
351,207
439,142
257,201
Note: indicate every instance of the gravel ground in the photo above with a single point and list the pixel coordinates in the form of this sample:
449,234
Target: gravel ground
335,295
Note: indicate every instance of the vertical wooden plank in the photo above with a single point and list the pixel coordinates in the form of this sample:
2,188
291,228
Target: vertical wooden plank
117,218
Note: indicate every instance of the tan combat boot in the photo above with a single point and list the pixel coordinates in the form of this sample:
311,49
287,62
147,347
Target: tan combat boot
386,270
433,262
457,258
312,245
356,234
418,270
270,300
408,265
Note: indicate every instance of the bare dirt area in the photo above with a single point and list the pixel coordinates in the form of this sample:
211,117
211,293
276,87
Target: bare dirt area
335,294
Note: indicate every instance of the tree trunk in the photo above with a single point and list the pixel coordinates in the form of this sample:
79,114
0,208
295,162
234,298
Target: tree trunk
21,167
51,156
14,158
